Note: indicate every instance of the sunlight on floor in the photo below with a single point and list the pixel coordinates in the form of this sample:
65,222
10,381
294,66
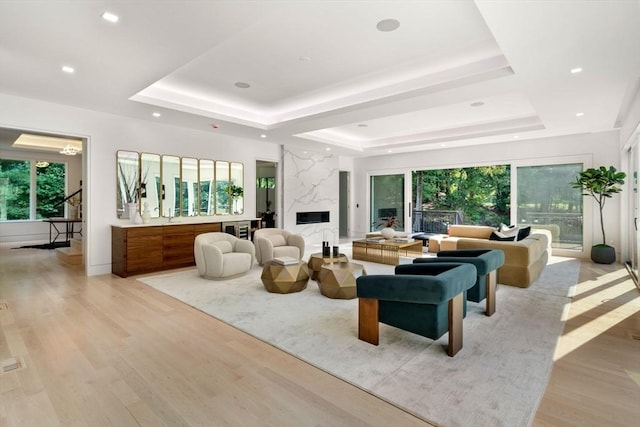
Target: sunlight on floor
592,303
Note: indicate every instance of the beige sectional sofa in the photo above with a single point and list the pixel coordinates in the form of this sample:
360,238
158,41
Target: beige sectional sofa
524,259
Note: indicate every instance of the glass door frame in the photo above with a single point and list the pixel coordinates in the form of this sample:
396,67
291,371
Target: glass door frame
587,207
406,197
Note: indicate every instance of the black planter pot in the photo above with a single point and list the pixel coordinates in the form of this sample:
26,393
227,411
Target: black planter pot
602,254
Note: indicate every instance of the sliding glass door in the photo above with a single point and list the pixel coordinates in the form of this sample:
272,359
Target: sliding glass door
387,202
546,200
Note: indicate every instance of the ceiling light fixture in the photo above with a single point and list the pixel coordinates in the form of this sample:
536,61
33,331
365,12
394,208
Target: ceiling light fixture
387,25
579,114
576,70
67,69
42,164
108,16
242,85
263,136
328,149
69,150
156,114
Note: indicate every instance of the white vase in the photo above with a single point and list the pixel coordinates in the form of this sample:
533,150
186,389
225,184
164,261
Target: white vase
133,212
146,215
387,233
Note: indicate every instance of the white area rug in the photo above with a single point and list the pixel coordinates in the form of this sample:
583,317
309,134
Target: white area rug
497,379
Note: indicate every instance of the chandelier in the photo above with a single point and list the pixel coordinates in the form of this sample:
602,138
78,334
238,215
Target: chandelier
70,150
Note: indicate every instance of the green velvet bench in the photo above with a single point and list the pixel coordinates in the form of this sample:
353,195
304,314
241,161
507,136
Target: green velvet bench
425,299
486,261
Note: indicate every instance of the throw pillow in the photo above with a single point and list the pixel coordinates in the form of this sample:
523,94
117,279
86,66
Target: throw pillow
504,227
523,233
496,235
509,232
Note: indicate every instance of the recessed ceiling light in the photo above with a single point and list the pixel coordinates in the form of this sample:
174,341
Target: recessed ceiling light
516,136
108,16
443,145
156,114
389,151
576,70
363,125
579,114
387,25
328,149
263,136
215,126
242,85
477,104
68,69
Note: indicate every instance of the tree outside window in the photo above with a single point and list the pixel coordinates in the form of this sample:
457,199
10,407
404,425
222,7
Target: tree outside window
16,189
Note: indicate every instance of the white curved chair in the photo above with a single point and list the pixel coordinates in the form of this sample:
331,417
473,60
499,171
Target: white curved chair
221,255
276,242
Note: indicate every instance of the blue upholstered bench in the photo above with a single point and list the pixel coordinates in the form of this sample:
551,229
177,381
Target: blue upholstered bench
426,299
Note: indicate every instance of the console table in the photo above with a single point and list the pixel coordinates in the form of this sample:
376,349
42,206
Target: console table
68,232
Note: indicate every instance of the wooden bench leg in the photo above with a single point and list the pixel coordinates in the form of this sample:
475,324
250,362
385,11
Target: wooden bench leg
492,280
455,324
368,320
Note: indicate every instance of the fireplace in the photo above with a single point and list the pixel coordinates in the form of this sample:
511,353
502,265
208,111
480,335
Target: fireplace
312,217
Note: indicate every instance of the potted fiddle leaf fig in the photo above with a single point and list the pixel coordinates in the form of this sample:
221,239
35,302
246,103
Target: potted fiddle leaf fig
601,184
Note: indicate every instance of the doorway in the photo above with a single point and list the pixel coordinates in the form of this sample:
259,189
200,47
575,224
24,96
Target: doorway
343,213
266,182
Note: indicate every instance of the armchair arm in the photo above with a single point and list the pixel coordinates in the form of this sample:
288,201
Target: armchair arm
264,250
245,246
213,260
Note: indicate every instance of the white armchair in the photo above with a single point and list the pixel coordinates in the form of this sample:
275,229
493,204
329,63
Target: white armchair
275,242
221,255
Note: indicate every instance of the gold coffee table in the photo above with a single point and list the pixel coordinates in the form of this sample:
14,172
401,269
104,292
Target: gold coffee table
284,279
385,251
317,260
338,280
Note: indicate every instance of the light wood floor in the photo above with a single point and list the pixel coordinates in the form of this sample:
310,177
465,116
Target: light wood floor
107,351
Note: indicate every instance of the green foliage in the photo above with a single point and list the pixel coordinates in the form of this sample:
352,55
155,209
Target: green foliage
601,184
482,194
50,190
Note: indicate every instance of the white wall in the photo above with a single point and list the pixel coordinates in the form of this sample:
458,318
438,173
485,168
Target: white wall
107,133
596,150
310,183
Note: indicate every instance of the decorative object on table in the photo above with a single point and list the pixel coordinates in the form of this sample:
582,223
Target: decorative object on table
388,233
74,206
336,251
600,183
146,214
134,214
326,250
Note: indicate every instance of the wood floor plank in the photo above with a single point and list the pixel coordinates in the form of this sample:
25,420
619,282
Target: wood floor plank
108,351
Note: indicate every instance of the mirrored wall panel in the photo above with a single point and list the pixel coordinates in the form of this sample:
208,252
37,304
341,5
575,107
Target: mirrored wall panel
189,187
150,184
128,181
207,193
169,186
170,191
237,188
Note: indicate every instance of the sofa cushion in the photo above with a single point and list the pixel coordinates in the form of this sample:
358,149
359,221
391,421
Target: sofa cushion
474,231
500,237
277,240
224,246
523,233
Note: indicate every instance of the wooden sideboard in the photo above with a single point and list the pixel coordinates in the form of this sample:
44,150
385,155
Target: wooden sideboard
149,248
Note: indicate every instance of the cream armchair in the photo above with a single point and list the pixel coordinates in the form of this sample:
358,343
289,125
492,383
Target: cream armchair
275,242
221,255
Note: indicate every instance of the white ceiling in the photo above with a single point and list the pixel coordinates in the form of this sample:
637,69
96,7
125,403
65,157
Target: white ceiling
322,75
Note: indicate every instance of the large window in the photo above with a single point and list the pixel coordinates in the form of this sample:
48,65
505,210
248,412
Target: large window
547,201
473,195
31,190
